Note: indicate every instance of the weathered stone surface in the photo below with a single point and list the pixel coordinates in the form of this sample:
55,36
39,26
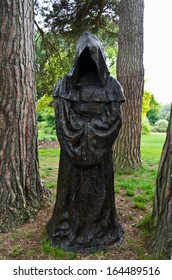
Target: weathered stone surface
88,119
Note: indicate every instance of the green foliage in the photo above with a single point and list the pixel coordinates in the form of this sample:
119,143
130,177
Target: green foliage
160,126
147,96
153,113
150,112
111,59
53,60
52,72
46,115
146,128
71,18
44,103
46,137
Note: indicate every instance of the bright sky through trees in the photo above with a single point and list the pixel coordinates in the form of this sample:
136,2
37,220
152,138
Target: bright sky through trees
158,49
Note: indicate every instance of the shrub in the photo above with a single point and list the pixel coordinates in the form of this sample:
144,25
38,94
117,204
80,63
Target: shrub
160,126
146,128
46,121
49,116
46,114
46,137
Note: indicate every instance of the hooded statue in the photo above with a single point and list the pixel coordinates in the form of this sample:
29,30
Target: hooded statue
88,119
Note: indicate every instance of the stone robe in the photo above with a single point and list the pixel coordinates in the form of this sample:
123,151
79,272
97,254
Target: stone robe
88,119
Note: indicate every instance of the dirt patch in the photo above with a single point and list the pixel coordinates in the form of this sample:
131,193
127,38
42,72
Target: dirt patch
25,242
48,144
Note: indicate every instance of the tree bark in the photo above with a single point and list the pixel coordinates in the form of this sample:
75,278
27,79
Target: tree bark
130,73
161,242
21,189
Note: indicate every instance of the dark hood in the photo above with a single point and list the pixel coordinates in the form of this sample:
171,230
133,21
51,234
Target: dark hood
89,54
89,79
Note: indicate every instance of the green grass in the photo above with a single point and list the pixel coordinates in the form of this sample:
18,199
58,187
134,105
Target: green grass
139,184
49,152
151,148
56,253
49,161
15,251
14,236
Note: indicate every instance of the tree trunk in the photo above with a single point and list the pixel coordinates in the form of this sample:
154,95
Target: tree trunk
161,242
21,189
130,73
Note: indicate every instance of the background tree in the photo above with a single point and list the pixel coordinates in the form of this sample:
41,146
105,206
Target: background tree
146,103
21,189
53,60
154,111
164,113
66,20
71,18
161,241
130,73
146,128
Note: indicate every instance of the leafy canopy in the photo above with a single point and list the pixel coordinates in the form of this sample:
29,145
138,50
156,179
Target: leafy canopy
76,16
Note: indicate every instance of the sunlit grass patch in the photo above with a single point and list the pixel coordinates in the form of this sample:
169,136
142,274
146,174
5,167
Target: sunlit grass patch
53,153
130,192
15,251
142,181
56,253
151,148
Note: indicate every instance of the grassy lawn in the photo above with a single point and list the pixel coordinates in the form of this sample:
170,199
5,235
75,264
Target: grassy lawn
139,184
49,161
151,147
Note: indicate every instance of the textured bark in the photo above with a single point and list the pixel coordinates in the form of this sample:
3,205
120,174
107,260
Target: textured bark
130,73
21,189
162,212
